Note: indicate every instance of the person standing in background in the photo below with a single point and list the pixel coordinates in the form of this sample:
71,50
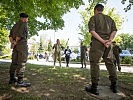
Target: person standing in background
83,50
57,52
67,53
46,56
116,51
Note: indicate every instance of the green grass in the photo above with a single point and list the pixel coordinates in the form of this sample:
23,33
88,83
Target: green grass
53,84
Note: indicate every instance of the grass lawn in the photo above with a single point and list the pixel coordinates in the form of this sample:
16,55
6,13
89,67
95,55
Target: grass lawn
57,84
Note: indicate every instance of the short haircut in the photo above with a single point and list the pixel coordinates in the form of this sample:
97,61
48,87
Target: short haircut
23,15
99,7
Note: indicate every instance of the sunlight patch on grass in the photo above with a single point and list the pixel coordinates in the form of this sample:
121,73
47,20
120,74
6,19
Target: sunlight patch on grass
33,69
5,96
58,75
46,94
58,84
50,79
82,78
76,75
121,94
20,89
34,74
40,70
65,73
51,90
79,76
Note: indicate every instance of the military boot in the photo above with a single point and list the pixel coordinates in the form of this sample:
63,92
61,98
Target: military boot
12,79
92,89
21,83
113,87
119,67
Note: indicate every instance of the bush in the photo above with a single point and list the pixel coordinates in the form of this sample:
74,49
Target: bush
127,60
5,57
31,57
62,59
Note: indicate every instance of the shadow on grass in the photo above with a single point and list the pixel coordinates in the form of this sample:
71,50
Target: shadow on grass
55,84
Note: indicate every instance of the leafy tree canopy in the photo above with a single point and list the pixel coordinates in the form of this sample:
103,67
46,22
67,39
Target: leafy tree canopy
129,4
50,10
126,41
3,39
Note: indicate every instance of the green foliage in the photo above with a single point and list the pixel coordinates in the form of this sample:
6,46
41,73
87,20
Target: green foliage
42,44
5,57
41,49
3,40
63,43
127,60
76,50
115,16
6,50
34,48
50,46
31,57
3,37
126,41
129,4
50,10
118,40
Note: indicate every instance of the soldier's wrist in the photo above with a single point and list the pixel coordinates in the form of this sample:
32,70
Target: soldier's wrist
110,40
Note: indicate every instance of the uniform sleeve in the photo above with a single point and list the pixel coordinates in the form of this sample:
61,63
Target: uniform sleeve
53,46
113,27
65,51
70,51
20,31
11,33
119,49
91,24
85,48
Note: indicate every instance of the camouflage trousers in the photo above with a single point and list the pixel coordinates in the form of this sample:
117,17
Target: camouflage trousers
83,60
19,59
98,51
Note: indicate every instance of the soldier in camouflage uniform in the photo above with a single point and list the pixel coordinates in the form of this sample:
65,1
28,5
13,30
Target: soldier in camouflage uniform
83,55
116,51
18,38
103,31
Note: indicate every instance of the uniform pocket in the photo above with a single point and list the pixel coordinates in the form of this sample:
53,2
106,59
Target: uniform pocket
23,53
